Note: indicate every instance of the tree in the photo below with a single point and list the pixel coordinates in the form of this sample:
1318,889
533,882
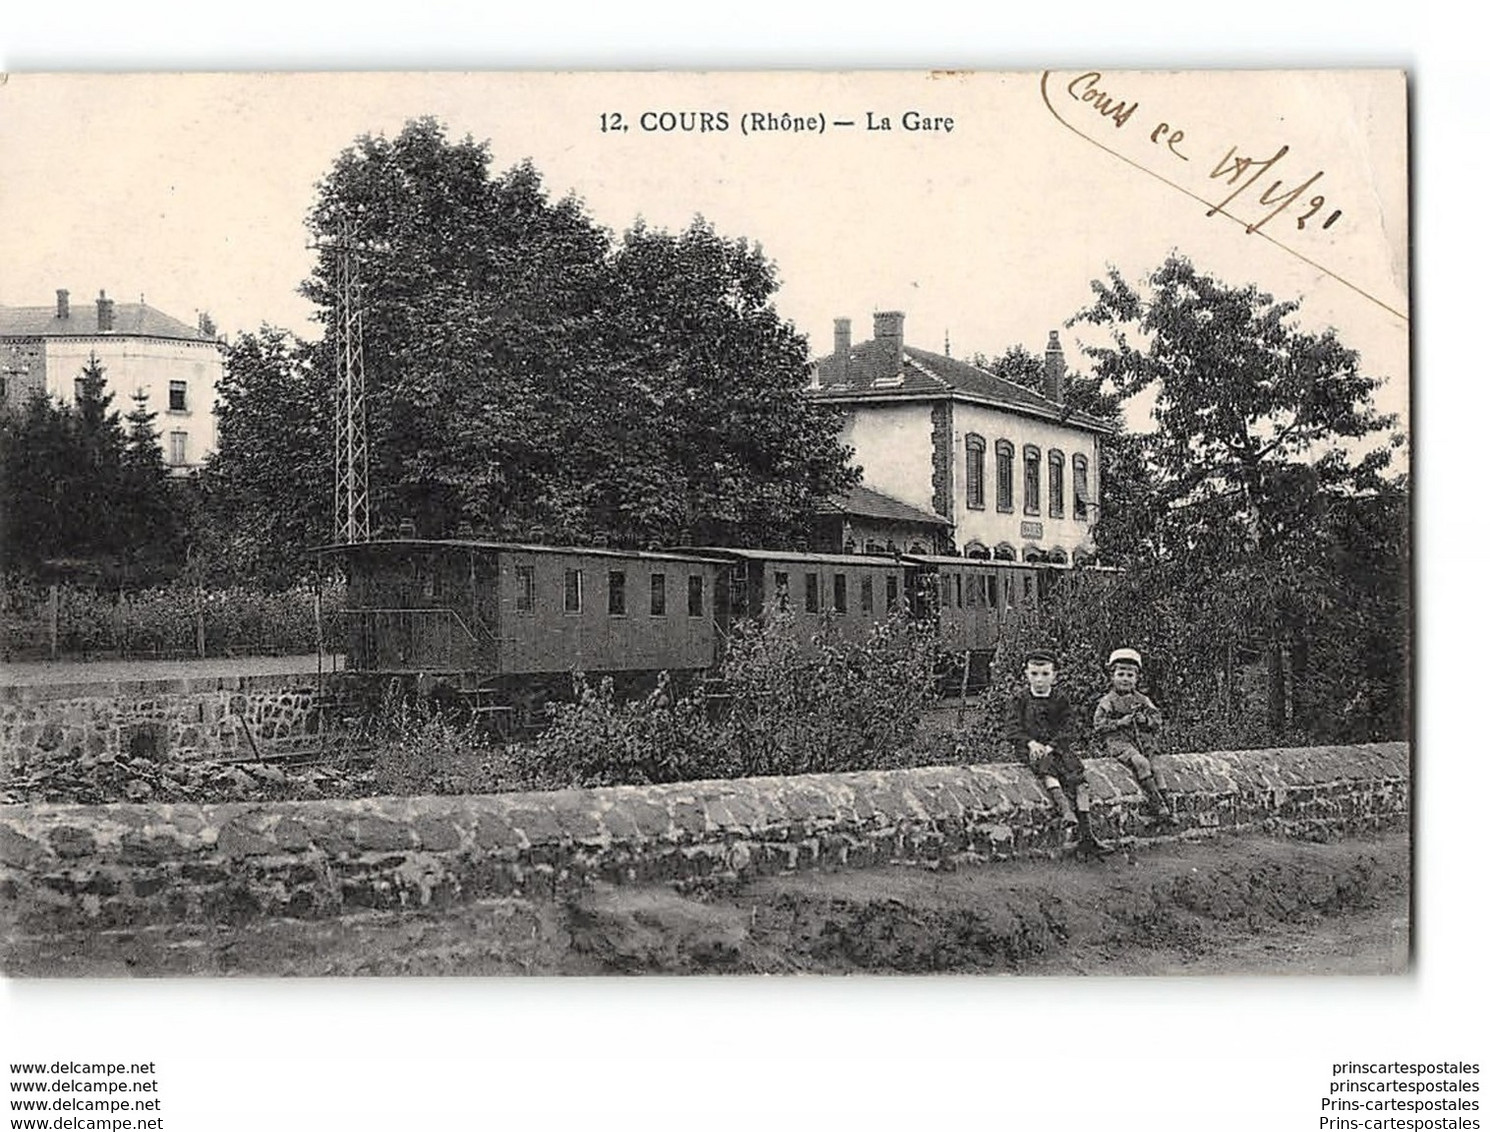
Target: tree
1264,453
81,497
528,375
156,529
1253,416
265,494
39,464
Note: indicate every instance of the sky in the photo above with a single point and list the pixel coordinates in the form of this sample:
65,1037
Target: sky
985,226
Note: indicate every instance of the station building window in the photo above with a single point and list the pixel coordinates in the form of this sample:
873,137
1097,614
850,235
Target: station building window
1031,480
977,450
1004,462
1079,486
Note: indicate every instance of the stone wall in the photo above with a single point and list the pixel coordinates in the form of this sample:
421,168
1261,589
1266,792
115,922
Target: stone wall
213,716
65,868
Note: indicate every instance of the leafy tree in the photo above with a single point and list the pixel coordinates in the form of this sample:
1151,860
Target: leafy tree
528,375
1264,456
265,494
1254,418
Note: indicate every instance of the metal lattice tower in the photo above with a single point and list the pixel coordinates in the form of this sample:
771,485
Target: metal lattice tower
352,523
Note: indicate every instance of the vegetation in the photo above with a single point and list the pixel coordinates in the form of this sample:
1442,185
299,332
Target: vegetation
179,620
784,705
529,374
80,496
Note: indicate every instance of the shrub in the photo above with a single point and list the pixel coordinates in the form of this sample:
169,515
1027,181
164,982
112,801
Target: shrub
785,705
418,749
163,621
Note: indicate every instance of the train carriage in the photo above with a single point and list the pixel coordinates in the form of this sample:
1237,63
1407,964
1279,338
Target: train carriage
507,624
858,588
973,598
472,611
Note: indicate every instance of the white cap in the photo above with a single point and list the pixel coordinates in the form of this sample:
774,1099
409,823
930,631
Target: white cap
1126,656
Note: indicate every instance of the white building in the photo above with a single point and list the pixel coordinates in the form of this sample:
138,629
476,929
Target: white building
1015,472
176,365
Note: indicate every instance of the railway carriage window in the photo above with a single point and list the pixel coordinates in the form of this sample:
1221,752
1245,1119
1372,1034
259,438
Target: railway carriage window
574,591
1031,480
659,595
1057,483
1008,592
866,595
618,592
1029,587
810,601
957,578
783,589
840,593
695,595
1004,462
892,592
976,448
525,588
1079,487
946,590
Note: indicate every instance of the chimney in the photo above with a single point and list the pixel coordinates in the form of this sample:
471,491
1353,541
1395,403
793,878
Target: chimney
1055,370
63,310
889,340
105,312
842,337
206,325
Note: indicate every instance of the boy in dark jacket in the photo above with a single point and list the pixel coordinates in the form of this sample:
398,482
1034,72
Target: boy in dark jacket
1041,727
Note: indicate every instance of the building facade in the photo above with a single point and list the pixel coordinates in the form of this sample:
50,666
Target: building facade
177,366
1016,473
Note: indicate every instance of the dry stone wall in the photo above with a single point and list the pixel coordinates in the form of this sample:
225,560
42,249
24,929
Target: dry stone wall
64,868
227,716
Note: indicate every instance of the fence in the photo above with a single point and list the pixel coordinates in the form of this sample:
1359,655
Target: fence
74,622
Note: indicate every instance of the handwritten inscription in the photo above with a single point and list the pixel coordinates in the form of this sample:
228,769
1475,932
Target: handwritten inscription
1236,169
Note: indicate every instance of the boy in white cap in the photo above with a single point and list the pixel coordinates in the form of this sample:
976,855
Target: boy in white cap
1123,719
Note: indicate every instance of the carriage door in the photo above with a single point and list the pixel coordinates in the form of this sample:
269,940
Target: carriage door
483,601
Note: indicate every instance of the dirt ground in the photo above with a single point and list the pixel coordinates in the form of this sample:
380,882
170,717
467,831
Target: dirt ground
1225,906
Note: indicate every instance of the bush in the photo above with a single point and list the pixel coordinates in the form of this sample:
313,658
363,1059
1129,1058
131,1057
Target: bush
784,705
419,749
163,621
